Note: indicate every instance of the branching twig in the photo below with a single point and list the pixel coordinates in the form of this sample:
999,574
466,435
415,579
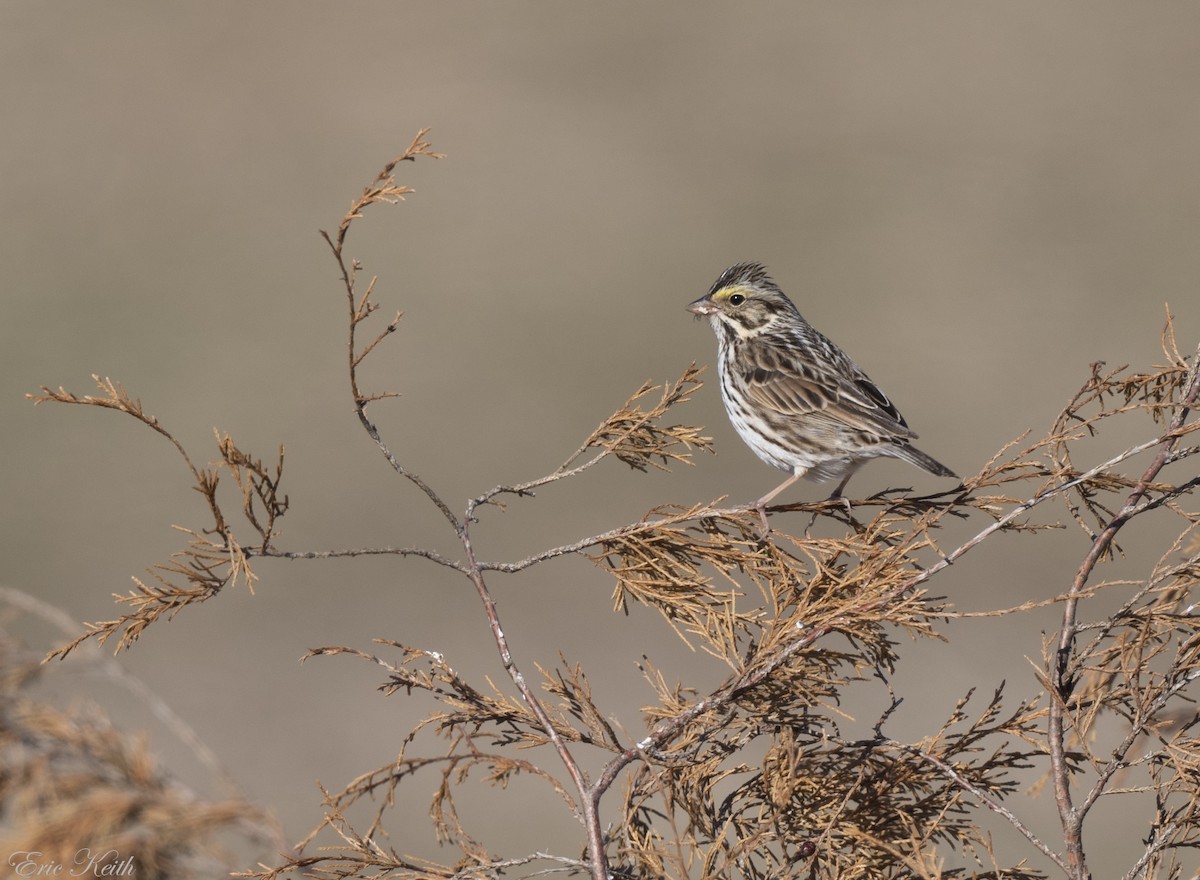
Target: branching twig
984,798
383,189
1062,675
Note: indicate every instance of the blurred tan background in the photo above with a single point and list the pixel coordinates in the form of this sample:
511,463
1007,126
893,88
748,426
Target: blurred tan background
976,201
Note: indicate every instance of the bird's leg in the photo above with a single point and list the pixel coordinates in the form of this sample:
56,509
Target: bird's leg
836,494
761,504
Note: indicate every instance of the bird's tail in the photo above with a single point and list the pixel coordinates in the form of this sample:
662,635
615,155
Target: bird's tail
911,454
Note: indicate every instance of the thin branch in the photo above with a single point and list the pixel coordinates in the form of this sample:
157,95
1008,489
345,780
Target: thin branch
1062,677
431,555
696,512
591,816
1117,760
983,797
1025,506
1162,836
709,510
383,189
117,398
630,434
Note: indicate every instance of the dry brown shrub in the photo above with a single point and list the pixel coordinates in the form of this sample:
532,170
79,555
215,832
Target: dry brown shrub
82,797
797,619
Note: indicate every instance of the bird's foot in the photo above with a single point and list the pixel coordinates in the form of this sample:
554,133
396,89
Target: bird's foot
839,498
762,518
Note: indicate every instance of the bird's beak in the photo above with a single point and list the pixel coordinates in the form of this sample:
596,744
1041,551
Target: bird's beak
702,307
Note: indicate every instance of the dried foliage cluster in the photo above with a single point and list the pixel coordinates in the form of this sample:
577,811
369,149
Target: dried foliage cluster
755,778
80,797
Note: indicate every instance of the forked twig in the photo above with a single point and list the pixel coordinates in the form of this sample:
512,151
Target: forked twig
1063,676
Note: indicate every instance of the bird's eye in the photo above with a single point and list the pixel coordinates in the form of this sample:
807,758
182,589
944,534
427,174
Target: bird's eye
737,299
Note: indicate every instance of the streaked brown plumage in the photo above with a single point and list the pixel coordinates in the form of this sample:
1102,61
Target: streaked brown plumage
794,396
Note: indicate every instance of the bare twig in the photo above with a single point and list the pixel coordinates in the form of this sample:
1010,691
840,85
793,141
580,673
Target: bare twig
383,189
422,552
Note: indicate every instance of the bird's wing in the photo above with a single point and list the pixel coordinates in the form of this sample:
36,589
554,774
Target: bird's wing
844,394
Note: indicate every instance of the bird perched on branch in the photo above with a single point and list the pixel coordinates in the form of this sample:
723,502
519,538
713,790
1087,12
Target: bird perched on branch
796,399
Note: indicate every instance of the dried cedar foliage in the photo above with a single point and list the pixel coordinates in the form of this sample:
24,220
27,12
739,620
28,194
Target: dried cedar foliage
755,778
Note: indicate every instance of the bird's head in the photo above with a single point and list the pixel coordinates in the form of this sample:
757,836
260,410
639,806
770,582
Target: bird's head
744,300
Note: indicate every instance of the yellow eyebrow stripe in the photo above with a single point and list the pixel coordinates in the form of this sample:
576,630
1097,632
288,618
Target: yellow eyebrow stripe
725,292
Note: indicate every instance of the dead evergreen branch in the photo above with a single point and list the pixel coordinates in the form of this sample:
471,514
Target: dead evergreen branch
757,777
79,794
213,557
